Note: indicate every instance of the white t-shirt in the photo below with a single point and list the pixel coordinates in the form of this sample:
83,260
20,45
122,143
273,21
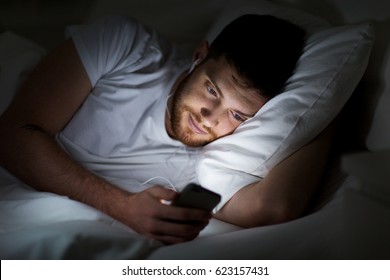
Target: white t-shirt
119,131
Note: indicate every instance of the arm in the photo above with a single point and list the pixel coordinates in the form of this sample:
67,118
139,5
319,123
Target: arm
43,106
284,193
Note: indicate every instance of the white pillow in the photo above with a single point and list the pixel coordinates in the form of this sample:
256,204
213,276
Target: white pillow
333,62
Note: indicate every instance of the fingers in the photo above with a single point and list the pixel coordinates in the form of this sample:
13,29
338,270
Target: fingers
171,232
182,214
175,224
147,215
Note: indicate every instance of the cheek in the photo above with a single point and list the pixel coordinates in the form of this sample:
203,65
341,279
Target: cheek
225,128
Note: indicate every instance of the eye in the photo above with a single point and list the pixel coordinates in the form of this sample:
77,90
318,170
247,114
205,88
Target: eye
238,117
211,90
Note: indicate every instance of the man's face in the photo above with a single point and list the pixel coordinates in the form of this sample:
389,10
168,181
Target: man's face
209,103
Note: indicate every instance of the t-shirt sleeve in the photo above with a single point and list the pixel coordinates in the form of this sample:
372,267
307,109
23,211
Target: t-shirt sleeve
105,44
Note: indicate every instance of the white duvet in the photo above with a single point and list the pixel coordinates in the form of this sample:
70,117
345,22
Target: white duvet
44,225
40,225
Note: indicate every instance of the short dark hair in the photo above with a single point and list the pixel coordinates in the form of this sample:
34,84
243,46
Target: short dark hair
262,48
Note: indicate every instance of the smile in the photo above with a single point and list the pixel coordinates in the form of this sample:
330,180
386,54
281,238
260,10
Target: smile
195,127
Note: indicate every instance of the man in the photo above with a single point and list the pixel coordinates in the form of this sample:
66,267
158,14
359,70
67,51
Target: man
114,106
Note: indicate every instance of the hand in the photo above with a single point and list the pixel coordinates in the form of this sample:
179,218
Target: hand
145,213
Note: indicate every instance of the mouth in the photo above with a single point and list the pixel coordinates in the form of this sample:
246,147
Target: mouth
195,127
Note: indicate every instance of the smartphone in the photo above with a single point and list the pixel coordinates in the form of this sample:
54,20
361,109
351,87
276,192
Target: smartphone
195,196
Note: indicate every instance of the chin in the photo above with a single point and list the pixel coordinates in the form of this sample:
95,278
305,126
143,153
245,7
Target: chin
183,132
190,139
191,142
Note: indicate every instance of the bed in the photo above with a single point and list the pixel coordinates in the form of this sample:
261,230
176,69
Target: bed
350,217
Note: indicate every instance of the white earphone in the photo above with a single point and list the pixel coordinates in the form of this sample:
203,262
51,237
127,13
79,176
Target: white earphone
194,64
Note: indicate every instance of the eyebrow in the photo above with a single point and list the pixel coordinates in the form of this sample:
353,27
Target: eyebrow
220,92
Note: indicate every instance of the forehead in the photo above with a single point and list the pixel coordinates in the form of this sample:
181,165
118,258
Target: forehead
232,86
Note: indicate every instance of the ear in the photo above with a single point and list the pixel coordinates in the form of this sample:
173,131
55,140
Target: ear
201,51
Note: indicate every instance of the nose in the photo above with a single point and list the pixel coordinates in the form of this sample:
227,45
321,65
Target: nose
210,117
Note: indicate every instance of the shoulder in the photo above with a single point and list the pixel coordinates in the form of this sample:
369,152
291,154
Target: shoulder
117,43
114,30
139,37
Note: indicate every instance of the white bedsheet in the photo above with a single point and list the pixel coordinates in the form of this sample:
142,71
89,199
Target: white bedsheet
39,225
47,226
348,224
352,226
